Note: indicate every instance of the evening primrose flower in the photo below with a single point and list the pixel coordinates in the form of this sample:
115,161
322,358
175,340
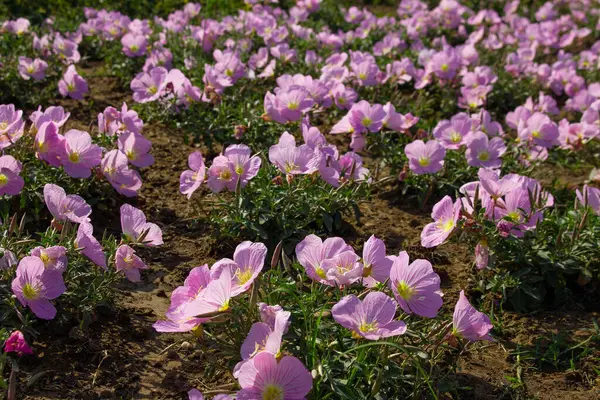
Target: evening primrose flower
129,263
485,152
53,257
191,179
134,45
89,245
214,298
34,287
376,263
63,206
248,261
35,69
371,318
72,84
134,226
16,343
425,158
265,378
445,214
136,147
10,182
365,117
79,154
312,251
468,323
416,286
48,143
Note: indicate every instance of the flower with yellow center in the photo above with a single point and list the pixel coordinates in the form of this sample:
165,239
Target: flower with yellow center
366,121
405,290
152,89
134,48
225,174
3,179
244,275
229,72
455,137
3,125
131,155
320,272
45,257
362,76
224,307
70,87
30,69
293,105
424,161
30,292
289,167
514,216
535,134
446,225
483,156
445,67
367,327
273,392
74,157
239,169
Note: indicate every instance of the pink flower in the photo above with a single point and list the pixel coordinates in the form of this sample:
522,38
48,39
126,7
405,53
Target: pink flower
63,206
135,227
416,286
72,84
115,168
363,117
539,129
483,152
191,179
292,160
425,158
312,251
54,257
248,261
16,343
343,269
10,182
453,134
214,298
49,144
263,337
445,214
127,261
376,264
35,69
395,121
265,378
134,45
235,167
89,245
149,86
468,323
195,283
372,318
11,125
589,196
79,154
35,286
136,148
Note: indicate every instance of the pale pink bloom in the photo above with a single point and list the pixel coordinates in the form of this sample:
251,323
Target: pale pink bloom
10,182
484,152
63,206
49,144
425,158
127,261
79,154
191,179
312,252
248,261
54,257
416,286
135,227
35,69
468,323
343,269
446,215
72,84
89,245
371,318
213,299
136,147
376,264
115,168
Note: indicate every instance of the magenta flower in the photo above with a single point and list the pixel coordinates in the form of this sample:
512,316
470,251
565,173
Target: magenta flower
312,251
79,154
363,117
54,257
589,196
72,84
63,206
468,323
371,318
10,182
149,86
136,148
16,343
127,261
135,227
35,286
539,129
191,179
35,69
134,45
416,286
89,245
265,378
445,214
376,264
248,261
425,158
485,152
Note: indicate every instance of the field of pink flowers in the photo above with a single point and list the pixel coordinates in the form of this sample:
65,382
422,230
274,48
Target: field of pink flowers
309,199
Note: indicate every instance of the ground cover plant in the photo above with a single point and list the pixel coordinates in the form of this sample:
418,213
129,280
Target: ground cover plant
300,199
